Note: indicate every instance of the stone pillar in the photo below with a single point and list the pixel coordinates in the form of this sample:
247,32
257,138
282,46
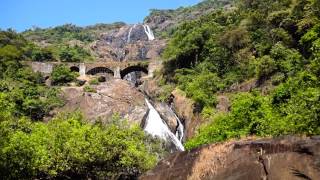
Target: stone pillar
116,73
82,69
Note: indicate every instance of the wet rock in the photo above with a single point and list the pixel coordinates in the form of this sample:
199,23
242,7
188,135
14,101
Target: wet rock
167,115
80,82
281,158
185,109
128,43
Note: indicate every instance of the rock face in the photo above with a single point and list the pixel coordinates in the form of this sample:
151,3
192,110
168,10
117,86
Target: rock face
284,158
165,20
167,115
128,43
113,96
185,110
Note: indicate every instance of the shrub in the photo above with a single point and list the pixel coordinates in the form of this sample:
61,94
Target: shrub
61,74
89,89
67,146
265,67
94,82
277,78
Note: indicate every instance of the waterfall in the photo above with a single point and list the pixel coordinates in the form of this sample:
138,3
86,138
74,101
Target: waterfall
149,32
157,127
179,132
129,34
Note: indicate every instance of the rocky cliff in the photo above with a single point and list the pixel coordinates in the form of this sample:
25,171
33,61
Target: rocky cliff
128,43
113,96
164,21
282,158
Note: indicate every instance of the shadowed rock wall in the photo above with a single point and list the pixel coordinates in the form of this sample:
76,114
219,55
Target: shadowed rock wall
282,158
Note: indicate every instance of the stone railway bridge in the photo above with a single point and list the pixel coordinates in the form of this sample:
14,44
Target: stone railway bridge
117,69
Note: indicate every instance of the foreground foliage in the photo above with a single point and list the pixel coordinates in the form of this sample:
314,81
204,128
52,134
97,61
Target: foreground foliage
67,147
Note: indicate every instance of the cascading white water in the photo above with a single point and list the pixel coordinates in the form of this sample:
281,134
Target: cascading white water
157,127
149,32
179,133
129,35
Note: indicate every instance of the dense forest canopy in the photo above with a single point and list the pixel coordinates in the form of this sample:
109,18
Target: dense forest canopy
274,42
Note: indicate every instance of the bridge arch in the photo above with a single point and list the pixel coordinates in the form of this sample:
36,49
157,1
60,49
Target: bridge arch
74,69
99,69
130,69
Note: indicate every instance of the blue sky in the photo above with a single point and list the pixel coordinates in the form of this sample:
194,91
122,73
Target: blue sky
23,14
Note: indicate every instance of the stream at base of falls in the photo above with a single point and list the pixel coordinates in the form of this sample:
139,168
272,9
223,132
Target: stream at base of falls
156,126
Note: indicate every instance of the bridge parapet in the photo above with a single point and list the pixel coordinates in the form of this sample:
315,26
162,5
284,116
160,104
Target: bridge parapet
119,69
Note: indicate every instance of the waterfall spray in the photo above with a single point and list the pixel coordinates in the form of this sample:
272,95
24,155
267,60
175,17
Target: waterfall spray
129,34
157,127
149,32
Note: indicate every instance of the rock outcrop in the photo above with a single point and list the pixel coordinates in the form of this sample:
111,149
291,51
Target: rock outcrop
128,43
282,158
165,20
186,111
113,96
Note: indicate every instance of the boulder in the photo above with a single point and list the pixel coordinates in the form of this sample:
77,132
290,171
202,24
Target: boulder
291,158
167,115
114,96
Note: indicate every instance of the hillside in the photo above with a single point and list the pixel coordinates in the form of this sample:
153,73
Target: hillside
78,44
164,22
222,89
263,56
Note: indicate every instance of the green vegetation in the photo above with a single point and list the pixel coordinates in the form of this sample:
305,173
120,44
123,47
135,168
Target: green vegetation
68,32
89,89
67,147
73,54
182,14
94,81
62,74
271,41
66,43
21,89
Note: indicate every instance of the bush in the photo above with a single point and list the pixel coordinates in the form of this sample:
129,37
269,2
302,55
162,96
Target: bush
73,54
94,82
265,67
66,146
61,75
89,89
200,87
277,78
42,55
293,108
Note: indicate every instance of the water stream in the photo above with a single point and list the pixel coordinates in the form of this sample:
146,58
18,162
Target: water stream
157,127
149,32
129,34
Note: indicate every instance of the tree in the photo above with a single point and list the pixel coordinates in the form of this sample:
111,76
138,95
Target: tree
61,74
68,147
